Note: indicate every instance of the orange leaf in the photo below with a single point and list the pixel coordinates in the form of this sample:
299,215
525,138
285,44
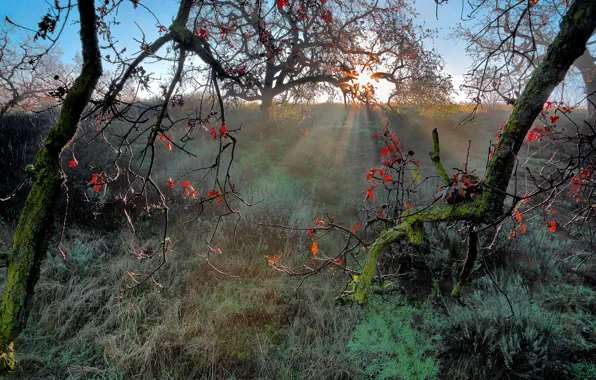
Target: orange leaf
553,226
355,228
314,248
523,229
518,216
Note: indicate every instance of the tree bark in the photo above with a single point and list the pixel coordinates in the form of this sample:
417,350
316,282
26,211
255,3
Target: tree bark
267,104
36,219
575,30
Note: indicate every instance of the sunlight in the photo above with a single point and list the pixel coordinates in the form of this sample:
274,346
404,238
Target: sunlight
364,78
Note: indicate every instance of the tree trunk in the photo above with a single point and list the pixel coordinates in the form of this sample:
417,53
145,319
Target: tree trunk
585,64
266,104
266,113
35,222
575,29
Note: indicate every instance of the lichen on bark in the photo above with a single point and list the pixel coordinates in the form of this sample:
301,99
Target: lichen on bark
576,28
30,239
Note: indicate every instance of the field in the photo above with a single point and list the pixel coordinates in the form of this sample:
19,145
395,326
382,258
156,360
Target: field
530,311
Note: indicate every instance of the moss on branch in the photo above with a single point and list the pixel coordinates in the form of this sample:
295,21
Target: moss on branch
435,156
576,28
30,238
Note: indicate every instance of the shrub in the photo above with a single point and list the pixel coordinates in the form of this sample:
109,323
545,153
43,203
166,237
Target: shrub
485,339
396,340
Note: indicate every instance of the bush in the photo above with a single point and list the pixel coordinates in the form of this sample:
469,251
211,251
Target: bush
396,341
485,339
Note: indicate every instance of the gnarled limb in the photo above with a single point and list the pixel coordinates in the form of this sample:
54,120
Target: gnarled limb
466,271
435,156
576,28
29,242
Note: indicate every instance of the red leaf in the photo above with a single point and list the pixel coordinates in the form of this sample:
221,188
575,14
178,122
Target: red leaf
387,178
370,194
282,3
96,188
553,119
94,179
213,133
518,216
169,146
213,194
319,223
161,28
171,183
523,229
223,130
355,228
72,163
185,184
384,152
311,232
553,226
313,262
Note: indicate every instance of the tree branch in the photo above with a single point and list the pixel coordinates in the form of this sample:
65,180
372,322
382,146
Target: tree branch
435,156
576,28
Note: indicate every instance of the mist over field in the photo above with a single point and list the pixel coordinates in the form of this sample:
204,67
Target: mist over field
297,189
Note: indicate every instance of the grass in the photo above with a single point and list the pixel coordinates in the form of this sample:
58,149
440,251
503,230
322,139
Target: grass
240,319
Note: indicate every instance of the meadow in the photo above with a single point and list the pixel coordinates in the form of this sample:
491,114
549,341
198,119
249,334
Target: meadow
530,311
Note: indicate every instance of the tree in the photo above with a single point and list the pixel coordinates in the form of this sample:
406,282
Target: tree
26,254
576,28
510,40
277,46
30,240
156,123
28,70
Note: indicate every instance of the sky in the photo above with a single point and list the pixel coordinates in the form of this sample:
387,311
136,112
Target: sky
28,13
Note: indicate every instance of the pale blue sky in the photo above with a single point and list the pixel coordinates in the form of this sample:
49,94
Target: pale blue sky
29,13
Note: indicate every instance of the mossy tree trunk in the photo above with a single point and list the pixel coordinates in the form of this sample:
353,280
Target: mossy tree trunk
575,30
30,239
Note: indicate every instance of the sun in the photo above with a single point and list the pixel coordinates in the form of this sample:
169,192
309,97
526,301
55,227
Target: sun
364,78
